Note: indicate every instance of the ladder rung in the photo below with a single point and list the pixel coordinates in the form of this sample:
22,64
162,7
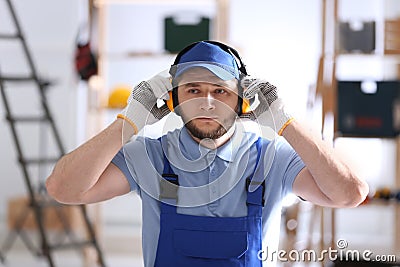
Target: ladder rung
10,36
46,202
26,118
39,160
24,79
49,203
17,78
73,244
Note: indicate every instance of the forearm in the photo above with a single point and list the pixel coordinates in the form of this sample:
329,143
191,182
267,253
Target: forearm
78,171
333,177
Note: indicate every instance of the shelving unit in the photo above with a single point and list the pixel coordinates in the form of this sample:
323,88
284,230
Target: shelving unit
327,89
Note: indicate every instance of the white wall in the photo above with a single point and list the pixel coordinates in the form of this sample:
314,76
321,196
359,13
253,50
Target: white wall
279,41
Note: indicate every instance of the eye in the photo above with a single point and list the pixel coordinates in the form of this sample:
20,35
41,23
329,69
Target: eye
220,91
193,91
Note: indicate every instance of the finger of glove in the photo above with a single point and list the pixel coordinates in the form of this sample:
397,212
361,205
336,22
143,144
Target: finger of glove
160,112
254,87
262,107
144,94
161,86
268,91
245,84
271,95
248,115
246,81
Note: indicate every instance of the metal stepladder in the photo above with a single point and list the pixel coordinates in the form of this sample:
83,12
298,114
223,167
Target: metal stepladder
38,200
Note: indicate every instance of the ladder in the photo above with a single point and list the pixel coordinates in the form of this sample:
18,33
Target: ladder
38,200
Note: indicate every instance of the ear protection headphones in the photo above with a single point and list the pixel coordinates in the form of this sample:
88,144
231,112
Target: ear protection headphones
243,104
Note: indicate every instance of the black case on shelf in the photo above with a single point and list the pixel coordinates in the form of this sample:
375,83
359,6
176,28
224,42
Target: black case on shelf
363,114
357,40
177,36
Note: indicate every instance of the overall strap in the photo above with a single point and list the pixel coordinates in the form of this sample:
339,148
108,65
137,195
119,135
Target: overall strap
168,187
255,185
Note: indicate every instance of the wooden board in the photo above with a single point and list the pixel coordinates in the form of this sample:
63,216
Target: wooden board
19,206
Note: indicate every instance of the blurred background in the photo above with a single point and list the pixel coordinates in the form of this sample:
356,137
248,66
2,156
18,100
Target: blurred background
67,67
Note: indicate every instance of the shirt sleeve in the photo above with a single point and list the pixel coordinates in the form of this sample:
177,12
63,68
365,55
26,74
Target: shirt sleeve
292,164
120,162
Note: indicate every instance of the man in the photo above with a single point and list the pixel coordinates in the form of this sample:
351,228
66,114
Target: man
211,190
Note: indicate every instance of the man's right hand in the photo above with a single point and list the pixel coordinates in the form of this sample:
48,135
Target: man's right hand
142,107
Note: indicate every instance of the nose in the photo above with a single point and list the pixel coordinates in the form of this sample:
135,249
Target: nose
207,102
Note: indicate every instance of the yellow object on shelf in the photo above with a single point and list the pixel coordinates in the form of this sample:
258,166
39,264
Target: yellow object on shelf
119,96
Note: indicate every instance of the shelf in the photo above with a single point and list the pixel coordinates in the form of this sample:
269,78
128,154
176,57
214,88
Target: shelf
99,3
382,203
144,55
380,56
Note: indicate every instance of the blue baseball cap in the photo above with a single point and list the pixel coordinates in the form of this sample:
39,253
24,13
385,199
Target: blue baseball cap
211,57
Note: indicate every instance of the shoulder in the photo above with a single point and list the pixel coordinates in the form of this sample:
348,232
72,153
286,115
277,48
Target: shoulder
278,155
277,144
139,144
150,143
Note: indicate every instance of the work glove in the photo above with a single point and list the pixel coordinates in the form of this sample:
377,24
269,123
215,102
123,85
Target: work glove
270,111
142,106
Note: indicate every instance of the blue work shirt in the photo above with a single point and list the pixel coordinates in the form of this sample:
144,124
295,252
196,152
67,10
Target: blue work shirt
212,181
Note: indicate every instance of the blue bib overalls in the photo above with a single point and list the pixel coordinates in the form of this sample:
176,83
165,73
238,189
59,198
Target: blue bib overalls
187,240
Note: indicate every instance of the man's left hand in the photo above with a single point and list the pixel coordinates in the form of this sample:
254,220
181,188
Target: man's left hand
271,110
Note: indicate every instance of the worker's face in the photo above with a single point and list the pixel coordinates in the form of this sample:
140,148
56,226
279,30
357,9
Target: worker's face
207,104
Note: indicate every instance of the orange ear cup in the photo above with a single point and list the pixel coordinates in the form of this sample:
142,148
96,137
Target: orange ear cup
245,106
170,102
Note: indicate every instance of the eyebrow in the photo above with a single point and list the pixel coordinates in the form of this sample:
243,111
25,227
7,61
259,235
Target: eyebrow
197,85
191,85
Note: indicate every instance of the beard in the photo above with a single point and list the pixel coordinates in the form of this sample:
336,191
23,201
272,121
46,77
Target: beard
210,133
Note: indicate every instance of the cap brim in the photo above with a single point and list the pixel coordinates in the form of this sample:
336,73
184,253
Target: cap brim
217,70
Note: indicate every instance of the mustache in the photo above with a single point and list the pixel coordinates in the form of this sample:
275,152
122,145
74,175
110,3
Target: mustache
215,118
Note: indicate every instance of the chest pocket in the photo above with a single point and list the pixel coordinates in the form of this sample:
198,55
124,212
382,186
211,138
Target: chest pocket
210,244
